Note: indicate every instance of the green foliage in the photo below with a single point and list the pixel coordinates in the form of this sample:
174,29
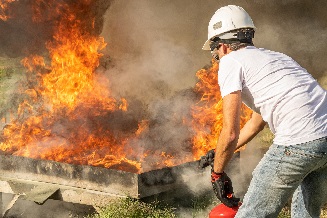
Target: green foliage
9,67
6,73
203,206
323,82
131,208
285,213
324,212
12,74
265,137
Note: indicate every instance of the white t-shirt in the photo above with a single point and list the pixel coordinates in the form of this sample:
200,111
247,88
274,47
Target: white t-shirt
288,98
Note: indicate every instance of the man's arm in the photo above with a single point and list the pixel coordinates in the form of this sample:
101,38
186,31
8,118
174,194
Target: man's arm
252,127
228,138
231,137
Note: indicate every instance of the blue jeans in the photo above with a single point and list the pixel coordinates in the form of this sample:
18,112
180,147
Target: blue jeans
298,170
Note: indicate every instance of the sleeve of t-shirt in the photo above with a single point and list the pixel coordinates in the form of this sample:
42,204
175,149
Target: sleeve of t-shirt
230,76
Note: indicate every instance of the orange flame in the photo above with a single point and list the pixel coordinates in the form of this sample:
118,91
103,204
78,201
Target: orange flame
66,115
4,9
123,105
49,122
207,113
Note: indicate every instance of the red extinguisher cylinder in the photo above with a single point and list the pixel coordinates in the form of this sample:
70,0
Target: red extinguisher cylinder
222,211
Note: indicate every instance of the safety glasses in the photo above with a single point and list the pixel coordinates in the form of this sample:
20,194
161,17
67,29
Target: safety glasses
214,43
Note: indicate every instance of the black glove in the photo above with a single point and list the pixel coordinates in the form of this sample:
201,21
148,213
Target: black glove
222,186
207,159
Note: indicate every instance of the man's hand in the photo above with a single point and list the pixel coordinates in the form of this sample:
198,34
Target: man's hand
222,186
208,159
221,183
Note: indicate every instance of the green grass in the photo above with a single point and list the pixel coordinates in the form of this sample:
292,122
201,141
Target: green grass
131,208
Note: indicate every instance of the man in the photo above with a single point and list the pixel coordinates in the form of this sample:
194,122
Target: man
281,93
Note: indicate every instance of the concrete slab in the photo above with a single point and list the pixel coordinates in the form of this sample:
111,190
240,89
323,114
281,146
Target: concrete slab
87,177
72,179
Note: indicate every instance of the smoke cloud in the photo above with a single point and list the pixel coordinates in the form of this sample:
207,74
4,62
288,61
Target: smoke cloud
154,50
160,42
32,23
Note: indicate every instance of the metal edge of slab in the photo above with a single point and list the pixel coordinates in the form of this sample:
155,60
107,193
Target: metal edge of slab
81,176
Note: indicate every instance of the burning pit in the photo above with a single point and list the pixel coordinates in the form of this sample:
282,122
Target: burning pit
64,111
107,182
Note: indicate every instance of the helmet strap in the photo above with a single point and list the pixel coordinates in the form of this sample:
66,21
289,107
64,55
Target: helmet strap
245,35
242,36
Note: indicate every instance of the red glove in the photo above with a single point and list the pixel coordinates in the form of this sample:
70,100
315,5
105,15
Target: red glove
222,186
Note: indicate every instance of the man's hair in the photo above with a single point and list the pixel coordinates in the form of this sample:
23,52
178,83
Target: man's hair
238,45
244,38
247,35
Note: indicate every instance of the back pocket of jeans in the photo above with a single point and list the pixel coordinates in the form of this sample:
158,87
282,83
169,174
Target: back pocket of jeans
295,165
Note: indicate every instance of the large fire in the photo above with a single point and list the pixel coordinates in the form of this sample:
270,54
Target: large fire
67,115
207,113
49,123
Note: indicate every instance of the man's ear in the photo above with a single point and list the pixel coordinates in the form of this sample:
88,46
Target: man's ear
225,48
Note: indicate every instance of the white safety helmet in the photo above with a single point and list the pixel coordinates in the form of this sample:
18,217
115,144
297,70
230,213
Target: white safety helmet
225,20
